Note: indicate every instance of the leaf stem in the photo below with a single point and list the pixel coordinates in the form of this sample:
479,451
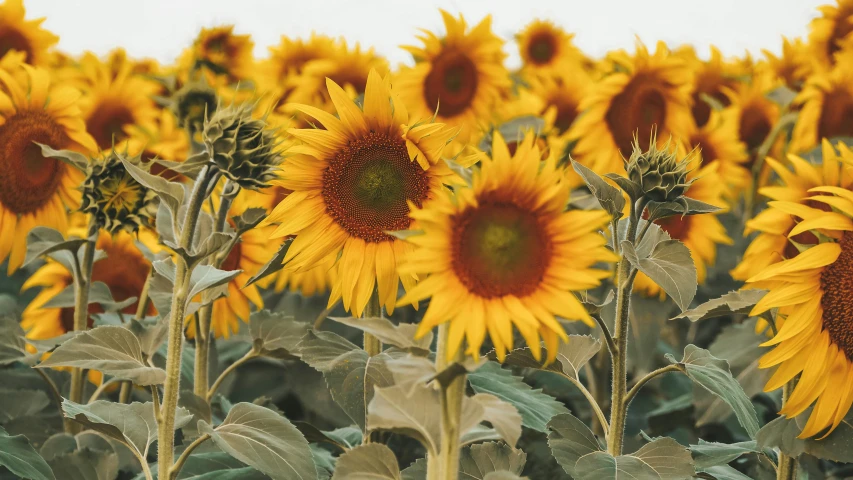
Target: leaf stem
82,283
126,390
637,386
605,332
245,358
176,469
372,345
54,390
101,388
180,294
144,298
318,322
591,399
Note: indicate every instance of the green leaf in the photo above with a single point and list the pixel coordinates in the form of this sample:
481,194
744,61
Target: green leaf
723,472
21,403
689,206
735,302
86,464
264,440
19,457
401,336
345,438
781,433
131,424
503,416
205,277
99,293
13,345
351,379
603,466
570,439
170,193
151,333
368,462
75,159
324,461
212,244
668,458
115,351
503,475
276,334
608,196
249,219
670,266
213,466
710,454
632,189
275,264
411,370
714,375
478,461
781,95
56,445
320,349
571,356
536,408
416,471
47,241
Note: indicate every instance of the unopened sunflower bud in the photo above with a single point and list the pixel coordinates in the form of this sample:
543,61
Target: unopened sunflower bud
659,173
192,103
114,198
241,146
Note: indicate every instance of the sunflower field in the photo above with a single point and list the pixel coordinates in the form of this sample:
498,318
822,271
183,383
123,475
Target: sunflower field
315,265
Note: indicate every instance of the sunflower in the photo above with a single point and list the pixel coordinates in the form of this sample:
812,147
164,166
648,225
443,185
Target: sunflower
563,91
813,292
773,244
116,105
25,36
545,47
647,90
754,114
712,79
702,234
718,143
826,107
222,52
289,57
829,31
461,75
504,251
794,66
125,271
35,190
352,183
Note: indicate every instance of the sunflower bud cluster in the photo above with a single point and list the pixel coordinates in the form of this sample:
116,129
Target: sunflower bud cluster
241,146
114,198
192,103
659,173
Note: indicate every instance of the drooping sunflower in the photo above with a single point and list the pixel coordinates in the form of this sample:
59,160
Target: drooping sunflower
461,75
773,243
829,31
794,66
124,271
712,78
813,292
35,190
702,234
221,51
826,107
352,182
754,114
504,251
718,142
647,91
116,105
545,47
25,36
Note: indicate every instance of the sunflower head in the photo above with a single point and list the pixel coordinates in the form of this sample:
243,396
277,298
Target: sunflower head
193,103
242,147
661,175
114,198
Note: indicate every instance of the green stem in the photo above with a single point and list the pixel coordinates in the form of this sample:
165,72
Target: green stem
82,283
605,332
245,358
372,345
126,390
787,468
101,388
452,396
637,386
591,399
176,469
180,294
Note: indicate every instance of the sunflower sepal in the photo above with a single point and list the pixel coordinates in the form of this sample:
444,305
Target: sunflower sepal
189,168
75,159
608,196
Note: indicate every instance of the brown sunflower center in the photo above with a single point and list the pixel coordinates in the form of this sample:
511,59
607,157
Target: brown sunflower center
28,180
367,184
451,84
124,272
843,26
13,39
754,127
232,261
567,112
500,249
639,107
66,317
107,122
836,281
702,109
542,48
836,117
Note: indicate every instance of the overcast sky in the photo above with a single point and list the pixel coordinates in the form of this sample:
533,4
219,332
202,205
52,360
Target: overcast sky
161,28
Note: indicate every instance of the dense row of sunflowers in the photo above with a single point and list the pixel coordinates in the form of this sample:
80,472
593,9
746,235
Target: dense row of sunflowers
450,176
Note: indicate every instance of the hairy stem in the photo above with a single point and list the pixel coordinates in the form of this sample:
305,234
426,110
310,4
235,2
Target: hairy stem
82,283
787,468
245,358
101,388
126,390
180,294
371,344
591,399
605,332
452,396
637,386
176,469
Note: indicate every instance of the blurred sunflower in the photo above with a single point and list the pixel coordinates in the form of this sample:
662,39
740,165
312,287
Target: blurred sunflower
563,91
646,91
125,271
505,252
35,190
718,143
828,31
794,66
754,114
25,36
702,234
826,107
545,47
116,105
288,58
773,243
167,142
352,182
222,52
461,75
813,292
712,79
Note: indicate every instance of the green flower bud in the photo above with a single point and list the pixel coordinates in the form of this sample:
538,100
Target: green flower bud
659,173
114,198
192,103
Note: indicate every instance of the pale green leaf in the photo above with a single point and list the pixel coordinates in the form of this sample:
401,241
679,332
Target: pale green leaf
669,265
86,464
709,454
608,196
99,293
401,336
735,302
368,462
668,458
276,334
478,461
19,457
570,439
503,416
603,466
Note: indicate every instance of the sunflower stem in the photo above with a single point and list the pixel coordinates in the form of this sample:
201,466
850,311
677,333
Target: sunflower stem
452,396
787,468
82,283
625,275
180,294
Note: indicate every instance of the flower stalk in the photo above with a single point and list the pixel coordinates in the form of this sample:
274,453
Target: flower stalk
180,294
452,395
787,468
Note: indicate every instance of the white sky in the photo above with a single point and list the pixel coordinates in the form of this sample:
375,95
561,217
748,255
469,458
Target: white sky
162,28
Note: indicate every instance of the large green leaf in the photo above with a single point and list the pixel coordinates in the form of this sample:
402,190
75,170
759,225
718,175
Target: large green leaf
709,454
275,334
20,458
603,466
170,193
571,356
320,349
368,462
669,459
352,378
782,433
112,350
478,461
608,196
536,408
86,464
99,293
264,440
21,403
570,439
47,241
669,265
401,336
714,375
735,302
